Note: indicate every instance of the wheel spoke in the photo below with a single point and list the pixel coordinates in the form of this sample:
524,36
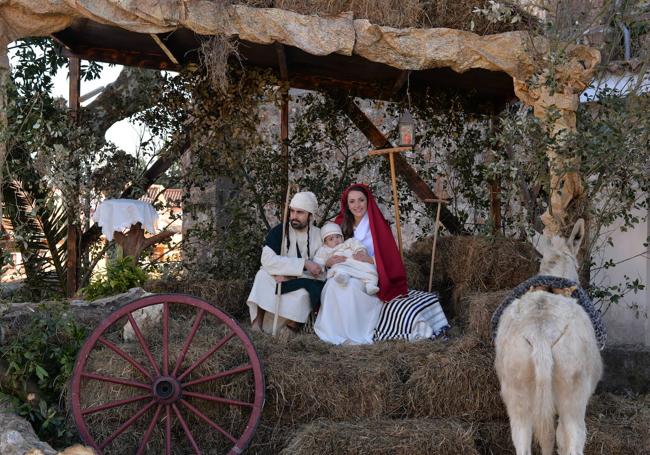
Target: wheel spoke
165,339
186,429
217,346
125,356
143,344
207,420
188,340
222,374
126,425
114,380
168,430
113,404
218,399
147,434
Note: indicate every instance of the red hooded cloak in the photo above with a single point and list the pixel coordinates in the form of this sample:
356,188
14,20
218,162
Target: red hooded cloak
390,268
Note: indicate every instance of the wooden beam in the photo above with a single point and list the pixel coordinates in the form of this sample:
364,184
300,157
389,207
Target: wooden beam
378,140
390,150
165,49
401,80
282,61
72,242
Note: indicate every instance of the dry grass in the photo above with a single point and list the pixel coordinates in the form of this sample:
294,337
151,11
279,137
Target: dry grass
306,380
466,264
479,307
383,437
215,54
399,13
228,295
458,382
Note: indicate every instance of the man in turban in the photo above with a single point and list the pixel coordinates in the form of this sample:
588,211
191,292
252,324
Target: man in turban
301,278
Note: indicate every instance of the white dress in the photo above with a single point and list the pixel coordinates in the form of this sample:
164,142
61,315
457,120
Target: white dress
348,315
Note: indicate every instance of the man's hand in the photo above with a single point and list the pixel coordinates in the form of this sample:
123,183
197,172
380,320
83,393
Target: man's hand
363,257
313,268
280,278
334,260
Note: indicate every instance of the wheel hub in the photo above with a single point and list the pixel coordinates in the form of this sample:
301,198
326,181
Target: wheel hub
166,389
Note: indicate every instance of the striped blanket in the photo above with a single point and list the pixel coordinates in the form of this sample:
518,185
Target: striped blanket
416,316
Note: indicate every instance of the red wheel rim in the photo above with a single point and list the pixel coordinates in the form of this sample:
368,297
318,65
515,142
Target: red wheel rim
166,382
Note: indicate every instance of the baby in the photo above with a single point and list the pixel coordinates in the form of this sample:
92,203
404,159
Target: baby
333,245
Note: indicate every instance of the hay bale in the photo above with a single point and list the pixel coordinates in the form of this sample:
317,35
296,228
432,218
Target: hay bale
615,426
458,382
227,295
415,276
377,437
479,308
475,264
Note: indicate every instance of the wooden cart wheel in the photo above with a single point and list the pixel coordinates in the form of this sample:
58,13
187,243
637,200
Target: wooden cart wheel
186,379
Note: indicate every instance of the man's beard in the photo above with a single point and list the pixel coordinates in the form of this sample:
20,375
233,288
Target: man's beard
298,226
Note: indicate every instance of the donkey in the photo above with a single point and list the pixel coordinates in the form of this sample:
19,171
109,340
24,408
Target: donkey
547,357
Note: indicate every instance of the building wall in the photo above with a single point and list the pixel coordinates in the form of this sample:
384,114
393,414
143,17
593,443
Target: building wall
628,322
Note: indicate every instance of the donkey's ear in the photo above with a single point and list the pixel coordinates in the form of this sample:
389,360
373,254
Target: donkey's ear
577,236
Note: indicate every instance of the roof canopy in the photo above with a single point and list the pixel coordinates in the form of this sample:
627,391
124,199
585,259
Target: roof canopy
338,52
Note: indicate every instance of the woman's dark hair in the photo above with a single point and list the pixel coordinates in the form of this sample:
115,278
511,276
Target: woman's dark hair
347,225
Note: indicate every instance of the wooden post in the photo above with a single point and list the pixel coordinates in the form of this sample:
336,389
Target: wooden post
72,244
284,115
440,199
393,180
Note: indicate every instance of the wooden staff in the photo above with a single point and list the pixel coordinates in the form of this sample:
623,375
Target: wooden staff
439,200
393,179
278,286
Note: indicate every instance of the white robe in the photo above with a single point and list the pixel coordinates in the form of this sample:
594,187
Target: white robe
348,315
294,306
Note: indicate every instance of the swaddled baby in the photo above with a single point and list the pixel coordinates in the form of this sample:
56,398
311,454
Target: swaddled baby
333,245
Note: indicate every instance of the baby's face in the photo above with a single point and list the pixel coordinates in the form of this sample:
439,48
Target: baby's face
332,240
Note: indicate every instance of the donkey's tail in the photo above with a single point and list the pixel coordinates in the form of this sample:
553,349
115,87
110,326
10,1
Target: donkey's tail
543,404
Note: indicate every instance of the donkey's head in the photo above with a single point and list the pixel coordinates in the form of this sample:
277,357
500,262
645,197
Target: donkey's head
559,254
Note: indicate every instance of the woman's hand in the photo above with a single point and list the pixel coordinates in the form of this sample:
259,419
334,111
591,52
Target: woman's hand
334,260
363,257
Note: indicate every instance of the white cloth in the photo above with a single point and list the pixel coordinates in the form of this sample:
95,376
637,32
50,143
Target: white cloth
329,229
305,200
362,233
355,269
295,305
348,315
116,215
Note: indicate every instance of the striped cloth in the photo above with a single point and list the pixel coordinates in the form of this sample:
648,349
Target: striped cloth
416,316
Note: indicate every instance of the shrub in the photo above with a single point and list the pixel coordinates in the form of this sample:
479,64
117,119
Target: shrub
121,275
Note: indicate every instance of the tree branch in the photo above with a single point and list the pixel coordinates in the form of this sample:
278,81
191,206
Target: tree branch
133,91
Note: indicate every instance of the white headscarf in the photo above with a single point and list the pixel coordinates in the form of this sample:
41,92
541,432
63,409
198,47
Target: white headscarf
305,200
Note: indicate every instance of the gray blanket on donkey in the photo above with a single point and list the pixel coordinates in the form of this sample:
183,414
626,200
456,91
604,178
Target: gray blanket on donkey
556,283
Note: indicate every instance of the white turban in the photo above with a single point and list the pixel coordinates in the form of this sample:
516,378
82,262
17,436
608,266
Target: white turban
329,229
306,201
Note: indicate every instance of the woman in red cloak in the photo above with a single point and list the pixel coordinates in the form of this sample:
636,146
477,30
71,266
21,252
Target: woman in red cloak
349,315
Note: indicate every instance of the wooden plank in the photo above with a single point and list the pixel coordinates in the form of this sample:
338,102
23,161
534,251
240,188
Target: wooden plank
389,150
378,140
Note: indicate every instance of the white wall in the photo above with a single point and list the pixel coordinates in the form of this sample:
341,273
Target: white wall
627,322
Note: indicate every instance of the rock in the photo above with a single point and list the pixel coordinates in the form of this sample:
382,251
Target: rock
77,449
16,315
17,436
